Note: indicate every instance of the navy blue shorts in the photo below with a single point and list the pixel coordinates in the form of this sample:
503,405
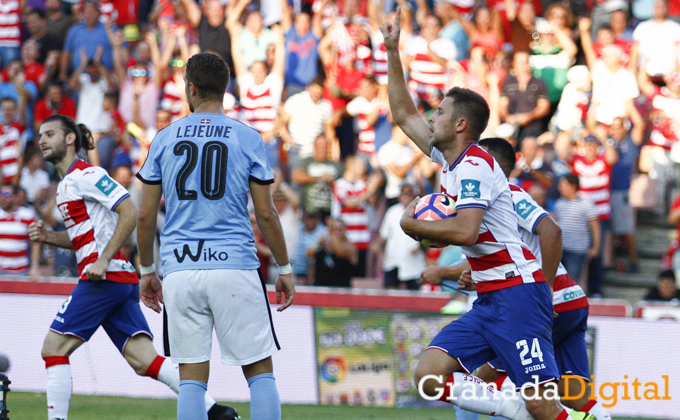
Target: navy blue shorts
114,306
569,343
513,325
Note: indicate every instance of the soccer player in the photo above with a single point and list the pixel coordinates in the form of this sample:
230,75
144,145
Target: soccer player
542,235
205,165
99,217
513,312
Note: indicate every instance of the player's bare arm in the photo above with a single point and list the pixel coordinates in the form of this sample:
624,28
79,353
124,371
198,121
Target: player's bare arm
268,221
151,289
404,111
435,274
461,230
39,233
127,220
550,238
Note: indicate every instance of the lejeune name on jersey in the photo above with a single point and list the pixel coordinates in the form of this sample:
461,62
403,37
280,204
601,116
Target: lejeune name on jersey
201,130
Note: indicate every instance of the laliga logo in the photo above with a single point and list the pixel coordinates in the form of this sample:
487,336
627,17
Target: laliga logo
334,369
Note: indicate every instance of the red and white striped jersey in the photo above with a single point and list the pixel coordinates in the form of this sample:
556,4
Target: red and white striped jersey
356,219
260,103
425,73
171,100
665,128
360,107
14,242
595,182
379,57
567,294
87,197
499,259
10,23
10,152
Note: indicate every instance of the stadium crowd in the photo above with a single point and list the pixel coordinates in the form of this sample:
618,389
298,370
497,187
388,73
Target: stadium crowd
587,92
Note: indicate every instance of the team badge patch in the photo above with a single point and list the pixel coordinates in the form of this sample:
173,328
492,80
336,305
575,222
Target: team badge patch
524,209
106,185
469,189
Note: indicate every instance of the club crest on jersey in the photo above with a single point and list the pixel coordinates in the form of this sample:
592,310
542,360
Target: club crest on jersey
106,185
469,189
524,208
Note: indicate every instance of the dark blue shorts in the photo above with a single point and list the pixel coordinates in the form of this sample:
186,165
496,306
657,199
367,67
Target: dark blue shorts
569,343
114,306
513,325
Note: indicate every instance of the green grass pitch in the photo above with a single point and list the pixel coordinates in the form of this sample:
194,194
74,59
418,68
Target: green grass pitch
30,406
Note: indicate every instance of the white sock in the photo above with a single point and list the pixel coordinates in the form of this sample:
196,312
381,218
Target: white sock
473,394
600,412
169,375
59,389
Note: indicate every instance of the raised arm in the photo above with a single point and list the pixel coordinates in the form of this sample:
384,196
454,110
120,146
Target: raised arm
587,42
236,55
279,53
422,10
317,28
286,17
268,221
235,14
510,10
564,41
404,111
193,12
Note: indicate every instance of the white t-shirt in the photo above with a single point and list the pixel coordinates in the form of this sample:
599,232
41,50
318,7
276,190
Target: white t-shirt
91,111
400,155
399,248
33,183
658,42
307,120
611,90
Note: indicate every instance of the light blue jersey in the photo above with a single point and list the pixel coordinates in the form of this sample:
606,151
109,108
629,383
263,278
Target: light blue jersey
204,163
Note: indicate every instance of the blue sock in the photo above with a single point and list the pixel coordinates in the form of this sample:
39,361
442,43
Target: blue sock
264,398
191,401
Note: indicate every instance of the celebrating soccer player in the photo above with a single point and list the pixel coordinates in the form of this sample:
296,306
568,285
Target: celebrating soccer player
108,291
513,312
205,165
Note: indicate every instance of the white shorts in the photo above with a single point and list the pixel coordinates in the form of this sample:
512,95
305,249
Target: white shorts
623,215
234,301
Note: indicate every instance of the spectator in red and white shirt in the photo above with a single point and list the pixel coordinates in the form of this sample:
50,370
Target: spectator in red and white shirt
14,242
10,30
350,201
594,169
11,144
367,107
54,102
665,121
427,57
260,86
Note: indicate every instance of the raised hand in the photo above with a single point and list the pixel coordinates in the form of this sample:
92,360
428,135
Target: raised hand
390,32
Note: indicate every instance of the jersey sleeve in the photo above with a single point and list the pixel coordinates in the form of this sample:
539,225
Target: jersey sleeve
529,212
475,181
96,185
260,171
151,170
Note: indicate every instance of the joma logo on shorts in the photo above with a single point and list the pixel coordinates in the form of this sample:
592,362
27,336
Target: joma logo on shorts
207,254
534,368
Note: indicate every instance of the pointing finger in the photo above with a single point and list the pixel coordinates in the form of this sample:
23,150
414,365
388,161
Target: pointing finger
397,19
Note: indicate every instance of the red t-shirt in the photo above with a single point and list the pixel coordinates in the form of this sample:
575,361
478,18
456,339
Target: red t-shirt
33,71
43,109
345,80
